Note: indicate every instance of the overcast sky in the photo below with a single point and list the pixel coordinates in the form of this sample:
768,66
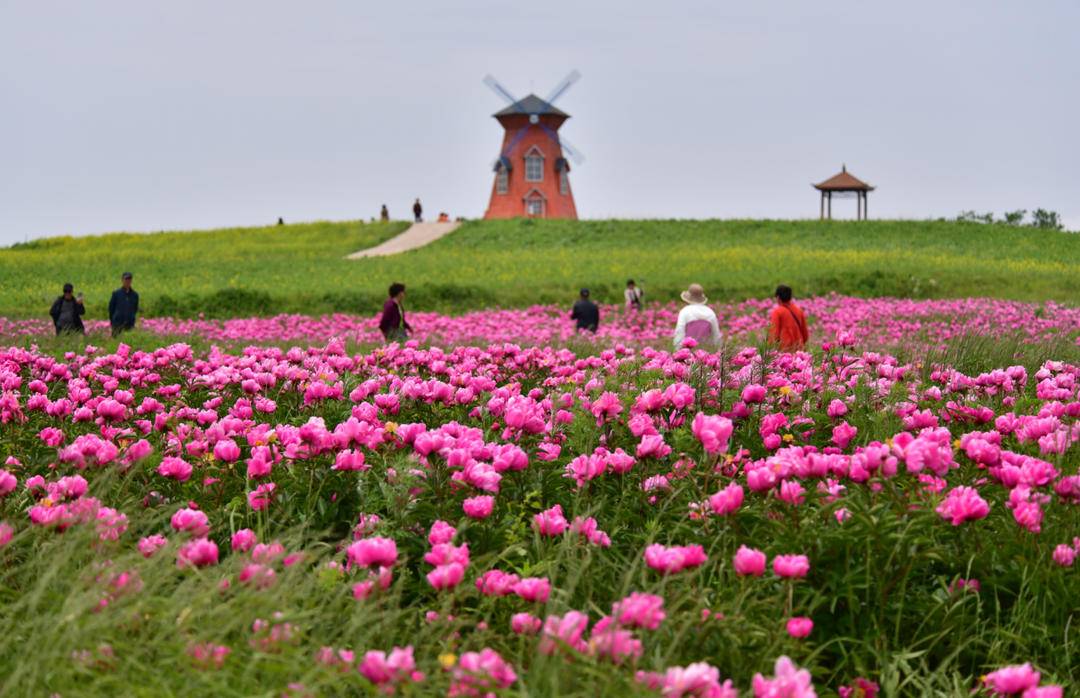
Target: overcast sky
136,115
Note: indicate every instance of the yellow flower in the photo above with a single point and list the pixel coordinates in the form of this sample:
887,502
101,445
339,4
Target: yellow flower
888,442
447,659
788,438
786,390
390,427
956,443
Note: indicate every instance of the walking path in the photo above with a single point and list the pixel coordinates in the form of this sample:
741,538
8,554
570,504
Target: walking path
418,235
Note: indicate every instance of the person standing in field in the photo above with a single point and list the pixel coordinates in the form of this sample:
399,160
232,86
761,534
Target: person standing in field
392,324
123,306
787,323
67,311
696,321
418,211
585,313
633,295
384,214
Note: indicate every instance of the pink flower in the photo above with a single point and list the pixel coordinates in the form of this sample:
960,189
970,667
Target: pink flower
1012,679
790,566
200,552
479,507
789,682
496,583
446,576
674,559
525,624
564,631
613,642
792,492
535,589
860,688
1064,555
963,504
728,500
749,562
175,468
842,434
799,626
551,522
227,451
713,432
441,532
698,680
150,544
480,674
590,531
639,611
350,460
753,393
397,668
836,409
653,446
260,497
6,533
207,655
8,483
191,521
606,407
368,552
244,540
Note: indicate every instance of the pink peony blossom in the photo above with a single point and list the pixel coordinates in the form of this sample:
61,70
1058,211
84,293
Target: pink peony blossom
749,562
790,566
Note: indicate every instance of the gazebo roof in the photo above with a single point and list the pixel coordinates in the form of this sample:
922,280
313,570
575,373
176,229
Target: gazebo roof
843,182
530,105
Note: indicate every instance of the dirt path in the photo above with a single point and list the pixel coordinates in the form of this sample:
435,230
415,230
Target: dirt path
418,235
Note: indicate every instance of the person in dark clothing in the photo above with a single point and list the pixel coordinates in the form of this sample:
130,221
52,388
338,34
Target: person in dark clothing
418,211
384,214
392,323
67,311
123,306
586,313
280,221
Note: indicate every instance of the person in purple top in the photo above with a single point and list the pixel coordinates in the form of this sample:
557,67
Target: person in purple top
392,323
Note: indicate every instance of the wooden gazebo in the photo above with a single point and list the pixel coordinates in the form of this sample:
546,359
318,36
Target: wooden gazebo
844,185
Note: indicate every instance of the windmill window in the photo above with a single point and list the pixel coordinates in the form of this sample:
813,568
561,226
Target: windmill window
564,183
534,168
502,181
534,206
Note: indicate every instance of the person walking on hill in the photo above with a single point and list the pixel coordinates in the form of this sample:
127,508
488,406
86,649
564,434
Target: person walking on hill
633,295
67,311
696,321
392,324
787,323
384,214
418,211
585,313
123,306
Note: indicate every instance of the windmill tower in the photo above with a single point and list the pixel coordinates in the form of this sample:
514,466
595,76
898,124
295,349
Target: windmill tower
532,173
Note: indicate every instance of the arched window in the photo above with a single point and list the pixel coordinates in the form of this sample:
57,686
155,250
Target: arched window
534,204
502,181
534,165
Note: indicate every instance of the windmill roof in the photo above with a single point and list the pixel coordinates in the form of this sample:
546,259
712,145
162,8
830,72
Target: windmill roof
843,181
531,104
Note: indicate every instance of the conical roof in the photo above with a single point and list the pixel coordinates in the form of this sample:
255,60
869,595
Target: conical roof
843,181
531,104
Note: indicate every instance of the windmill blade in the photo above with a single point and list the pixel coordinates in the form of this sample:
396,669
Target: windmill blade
573,153
498,89
563,86
514,141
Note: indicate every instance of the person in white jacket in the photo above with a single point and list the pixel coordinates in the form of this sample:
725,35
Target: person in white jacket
696,320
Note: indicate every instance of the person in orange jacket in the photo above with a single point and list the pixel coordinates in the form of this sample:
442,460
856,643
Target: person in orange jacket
787,323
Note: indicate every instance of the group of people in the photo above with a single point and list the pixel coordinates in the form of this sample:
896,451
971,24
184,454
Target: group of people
418,213
67,310
787,322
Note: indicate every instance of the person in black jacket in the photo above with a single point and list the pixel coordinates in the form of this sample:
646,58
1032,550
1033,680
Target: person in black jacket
586,313
123,306
67,311
418,211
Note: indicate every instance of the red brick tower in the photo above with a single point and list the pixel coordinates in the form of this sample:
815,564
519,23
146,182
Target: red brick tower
532,174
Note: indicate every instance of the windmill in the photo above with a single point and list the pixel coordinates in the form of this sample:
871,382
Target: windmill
532,170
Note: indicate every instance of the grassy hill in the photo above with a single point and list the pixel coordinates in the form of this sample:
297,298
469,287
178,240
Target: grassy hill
300,268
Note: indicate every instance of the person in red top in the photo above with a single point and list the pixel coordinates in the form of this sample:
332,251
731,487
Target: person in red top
787,324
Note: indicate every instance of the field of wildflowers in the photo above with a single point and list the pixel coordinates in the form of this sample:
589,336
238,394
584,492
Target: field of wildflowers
522,519
300,269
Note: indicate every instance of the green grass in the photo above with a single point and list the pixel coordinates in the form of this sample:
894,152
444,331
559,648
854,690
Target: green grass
301,268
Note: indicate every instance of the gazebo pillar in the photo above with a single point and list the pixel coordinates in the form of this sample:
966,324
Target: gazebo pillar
865,202
858,205
822,215
830,205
